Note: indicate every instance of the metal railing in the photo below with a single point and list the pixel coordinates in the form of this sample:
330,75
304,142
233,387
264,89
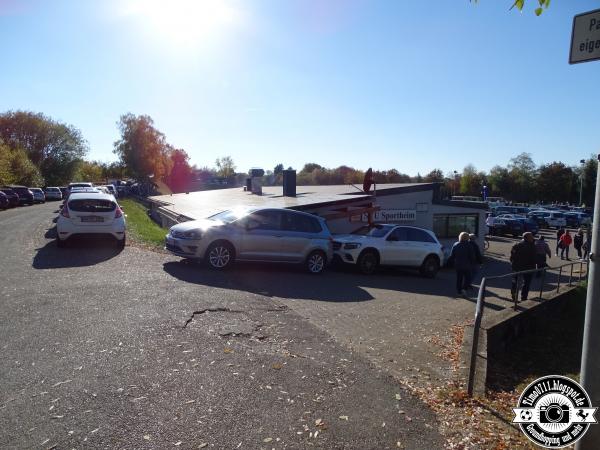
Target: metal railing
515,288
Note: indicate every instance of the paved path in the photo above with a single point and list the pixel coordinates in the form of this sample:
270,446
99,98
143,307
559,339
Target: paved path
134,349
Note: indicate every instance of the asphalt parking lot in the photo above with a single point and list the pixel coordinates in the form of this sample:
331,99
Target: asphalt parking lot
138,349
104,348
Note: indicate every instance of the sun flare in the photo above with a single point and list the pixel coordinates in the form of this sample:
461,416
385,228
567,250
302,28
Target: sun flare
185,22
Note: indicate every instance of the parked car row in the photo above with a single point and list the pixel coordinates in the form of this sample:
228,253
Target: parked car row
288,236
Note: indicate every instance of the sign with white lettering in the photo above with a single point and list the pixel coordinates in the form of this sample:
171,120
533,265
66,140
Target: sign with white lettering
585,38
393,215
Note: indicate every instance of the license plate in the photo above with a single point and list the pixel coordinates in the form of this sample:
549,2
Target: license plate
92,219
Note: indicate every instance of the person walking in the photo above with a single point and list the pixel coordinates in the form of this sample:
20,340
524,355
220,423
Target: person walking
587,245
463,258
559,233
565,242
542,250
578,242
523,257
478,258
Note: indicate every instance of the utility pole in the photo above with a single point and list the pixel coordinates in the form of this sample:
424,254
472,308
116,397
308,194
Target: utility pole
590,353
581,182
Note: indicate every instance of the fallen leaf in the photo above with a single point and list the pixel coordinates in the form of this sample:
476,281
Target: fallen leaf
344,417
227,350
177,444
147,437
276,366
398,397
265,440
318,422
204,444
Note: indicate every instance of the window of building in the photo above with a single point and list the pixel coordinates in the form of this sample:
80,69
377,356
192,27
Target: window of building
451,225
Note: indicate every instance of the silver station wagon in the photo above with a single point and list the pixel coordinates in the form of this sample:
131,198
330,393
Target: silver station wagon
260,234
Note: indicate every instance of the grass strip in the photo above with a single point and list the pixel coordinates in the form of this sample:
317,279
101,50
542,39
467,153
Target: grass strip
139,226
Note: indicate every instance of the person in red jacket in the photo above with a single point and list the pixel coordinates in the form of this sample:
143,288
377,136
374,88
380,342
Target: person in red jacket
565,242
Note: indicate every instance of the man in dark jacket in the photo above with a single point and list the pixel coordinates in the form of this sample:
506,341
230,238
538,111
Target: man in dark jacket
463,258
523,257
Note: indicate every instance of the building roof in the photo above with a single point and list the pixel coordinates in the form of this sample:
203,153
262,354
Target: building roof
205,203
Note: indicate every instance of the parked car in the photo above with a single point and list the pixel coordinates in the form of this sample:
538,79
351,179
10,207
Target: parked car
501,227
53,193
111,189
86,213
4,201
391,245
259,234
555,219
539,217
577,219
38,195
13,197
528,223
25,195
80,184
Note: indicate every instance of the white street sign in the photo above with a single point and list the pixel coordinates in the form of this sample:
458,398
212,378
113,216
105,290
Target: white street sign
585,38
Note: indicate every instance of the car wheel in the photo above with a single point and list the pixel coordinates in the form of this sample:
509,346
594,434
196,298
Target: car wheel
430,267
316,262
368,262
220,255
60,243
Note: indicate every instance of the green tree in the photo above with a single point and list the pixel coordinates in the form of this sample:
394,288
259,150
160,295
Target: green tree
522,171
499,182
89,171
471,181
225,167
555,182
53,147
590,170
278,169
142,148
17,168
436,175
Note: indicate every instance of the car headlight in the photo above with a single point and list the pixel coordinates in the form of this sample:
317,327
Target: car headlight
192,234
351,245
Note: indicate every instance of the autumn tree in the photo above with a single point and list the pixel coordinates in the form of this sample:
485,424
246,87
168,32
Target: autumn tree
142,148
225,167
54,148
435,176
181,173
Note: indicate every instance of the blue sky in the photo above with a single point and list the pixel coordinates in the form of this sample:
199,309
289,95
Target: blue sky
411,85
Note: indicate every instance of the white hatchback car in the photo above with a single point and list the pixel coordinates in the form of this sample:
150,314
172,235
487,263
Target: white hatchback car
88,213
391,245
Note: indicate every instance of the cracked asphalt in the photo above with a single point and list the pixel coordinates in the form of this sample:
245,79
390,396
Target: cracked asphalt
136,349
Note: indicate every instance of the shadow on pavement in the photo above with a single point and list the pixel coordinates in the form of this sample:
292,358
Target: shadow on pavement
335,285
80,252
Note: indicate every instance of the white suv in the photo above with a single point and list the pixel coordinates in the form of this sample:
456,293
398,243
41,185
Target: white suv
391,245
90,213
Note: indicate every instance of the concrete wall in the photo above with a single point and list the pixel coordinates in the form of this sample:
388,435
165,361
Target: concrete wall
500,330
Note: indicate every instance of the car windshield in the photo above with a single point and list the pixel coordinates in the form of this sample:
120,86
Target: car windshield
231,215
92,205
377,231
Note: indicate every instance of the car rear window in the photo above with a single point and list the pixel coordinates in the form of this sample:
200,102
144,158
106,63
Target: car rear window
92,205
419,235
300,223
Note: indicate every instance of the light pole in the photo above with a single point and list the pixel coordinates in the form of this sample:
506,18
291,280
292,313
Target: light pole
581,181
454,184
